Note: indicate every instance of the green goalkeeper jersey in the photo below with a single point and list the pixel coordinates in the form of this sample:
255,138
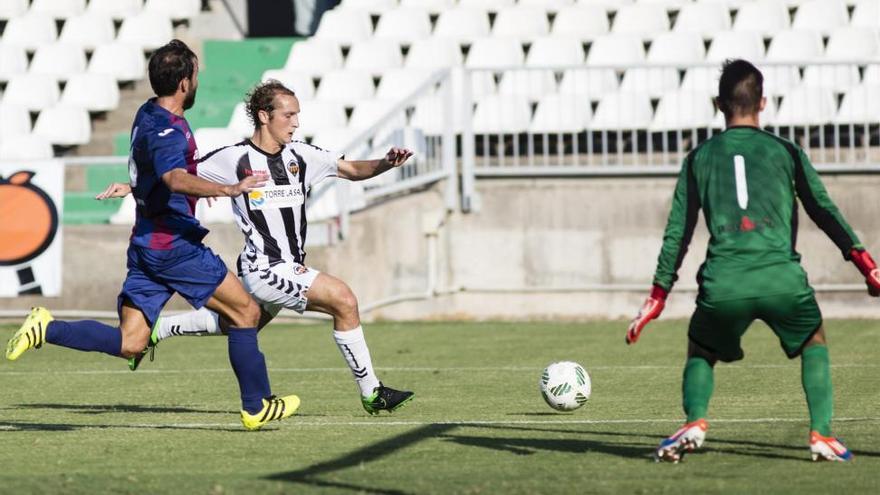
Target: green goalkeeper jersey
746,180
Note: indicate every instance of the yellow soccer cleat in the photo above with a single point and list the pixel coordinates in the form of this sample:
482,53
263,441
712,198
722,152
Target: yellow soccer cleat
32,333
273,408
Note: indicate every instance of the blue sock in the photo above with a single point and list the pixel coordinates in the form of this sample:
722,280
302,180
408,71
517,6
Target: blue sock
86,335
250,368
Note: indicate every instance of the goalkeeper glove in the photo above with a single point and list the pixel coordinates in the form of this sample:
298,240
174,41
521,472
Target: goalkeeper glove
652,308
866,265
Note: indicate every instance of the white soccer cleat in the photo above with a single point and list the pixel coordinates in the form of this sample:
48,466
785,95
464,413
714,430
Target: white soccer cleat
828,449
687,439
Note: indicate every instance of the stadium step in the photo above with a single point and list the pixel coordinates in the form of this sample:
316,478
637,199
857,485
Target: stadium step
83,208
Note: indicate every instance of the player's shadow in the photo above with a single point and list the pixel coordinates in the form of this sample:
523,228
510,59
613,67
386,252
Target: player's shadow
7,426
309,476
118,408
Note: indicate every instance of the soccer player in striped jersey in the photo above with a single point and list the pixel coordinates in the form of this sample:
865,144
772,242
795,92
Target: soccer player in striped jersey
746,181
273,221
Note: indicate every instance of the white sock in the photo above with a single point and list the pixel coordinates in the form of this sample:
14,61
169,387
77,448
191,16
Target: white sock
354,349
199,322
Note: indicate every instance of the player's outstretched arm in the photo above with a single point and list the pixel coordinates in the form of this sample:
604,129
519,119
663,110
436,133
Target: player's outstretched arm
365,169
115,190
180,181
863,261
651,309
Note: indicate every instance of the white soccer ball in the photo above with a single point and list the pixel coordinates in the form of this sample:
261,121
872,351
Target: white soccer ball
565,386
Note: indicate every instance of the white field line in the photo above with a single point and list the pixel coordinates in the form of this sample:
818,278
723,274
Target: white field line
463,422
794,365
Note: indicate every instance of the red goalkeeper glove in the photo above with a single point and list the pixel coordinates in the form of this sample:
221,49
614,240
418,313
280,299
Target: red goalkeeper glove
652,308
866,265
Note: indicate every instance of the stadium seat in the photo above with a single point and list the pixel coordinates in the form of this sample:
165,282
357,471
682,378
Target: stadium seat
584,22
123,61
588,83
532,84
502,114
346,86
432,53
209,139
865,14
872,74
299,82
725,45
462,24
608,5
521,22
94,92
404,25
345,27
64,125
763,16
374,7
433,7
239,123
853,43
14,120
806,106
314,57
623,111
369,113
59,60
400,83
13,61
87,31
487,5
822,15
220,211
553,6
59,9
374,56
552,51
176,10
148,30
30,31
860,105
666,4
667,48
642,20
683,110
615,49
836,77
790,46
117,9
561,113
13,8
25,147
429,114
495,52
702,18
32,91
316,116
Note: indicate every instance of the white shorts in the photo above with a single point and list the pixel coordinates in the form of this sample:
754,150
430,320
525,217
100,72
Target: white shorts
285,285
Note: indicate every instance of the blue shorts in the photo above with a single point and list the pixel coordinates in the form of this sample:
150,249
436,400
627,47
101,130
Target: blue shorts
191,270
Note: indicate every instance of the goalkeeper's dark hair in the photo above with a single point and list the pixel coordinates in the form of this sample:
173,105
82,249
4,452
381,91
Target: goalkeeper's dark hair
170,64
262,97
740,89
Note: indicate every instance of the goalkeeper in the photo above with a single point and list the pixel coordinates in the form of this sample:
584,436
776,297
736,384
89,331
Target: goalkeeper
746,180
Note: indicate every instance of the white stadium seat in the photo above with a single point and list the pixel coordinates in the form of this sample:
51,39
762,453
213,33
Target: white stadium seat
239,122
554,50
14,120
521,22
25,147
374,56
176,10
495,52
429,114
790,46
667,48
643,20
300,83
623,111
853,43
821,15
345,26
123,61
368,113
148,30
316,116
866,14
462,24
87,31
32,91
432,53
59,9
683,110
872,74
399,83
13,61
548,5
532,84
314,57
502,114
374,7
835,77
432,6
347,87
94,92
806,106
588,83
59,60
702,18
608,5
64,125
488,5
13,8
666,4
764,16
209,139
558,113
584,22
404,25
860,104
117,9
30,31
747,45
616,49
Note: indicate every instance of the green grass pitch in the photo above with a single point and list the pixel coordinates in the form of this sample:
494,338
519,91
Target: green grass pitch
73,422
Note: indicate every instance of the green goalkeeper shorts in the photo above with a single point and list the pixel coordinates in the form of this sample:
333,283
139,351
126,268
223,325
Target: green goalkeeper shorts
717,327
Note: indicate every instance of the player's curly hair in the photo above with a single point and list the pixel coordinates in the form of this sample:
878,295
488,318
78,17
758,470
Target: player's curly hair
262,97
740,88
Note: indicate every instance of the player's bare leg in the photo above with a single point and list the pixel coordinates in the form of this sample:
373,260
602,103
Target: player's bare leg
816,380
135,331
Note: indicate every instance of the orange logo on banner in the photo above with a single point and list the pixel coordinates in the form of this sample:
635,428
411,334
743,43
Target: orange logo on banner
28,219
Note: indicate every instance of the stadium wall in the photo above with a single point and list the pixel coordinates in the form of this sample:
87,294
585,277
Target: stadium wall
537,248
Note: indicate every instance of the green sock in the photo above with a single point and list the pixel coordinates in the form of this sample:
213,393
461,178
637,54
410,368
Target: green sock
816,378
696,388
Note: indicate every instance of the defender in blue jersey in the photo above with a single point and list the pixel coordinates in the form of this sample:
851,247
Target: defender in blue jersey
166,254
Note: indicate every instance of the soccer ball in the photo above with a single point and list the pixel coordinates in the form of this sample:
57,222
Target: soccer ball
565,386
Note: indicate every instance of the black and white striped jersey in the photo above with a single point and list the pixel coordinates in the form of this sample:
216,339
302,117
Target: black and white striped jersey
272,218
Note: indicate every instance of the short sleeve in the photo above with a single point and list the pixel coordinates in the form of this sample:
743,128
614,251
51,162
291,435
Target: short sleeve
168,149
320,163
216,167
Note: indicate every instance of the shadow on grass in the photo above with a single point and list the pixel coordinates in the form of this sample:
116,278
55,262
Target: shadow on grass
118,408
6,426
